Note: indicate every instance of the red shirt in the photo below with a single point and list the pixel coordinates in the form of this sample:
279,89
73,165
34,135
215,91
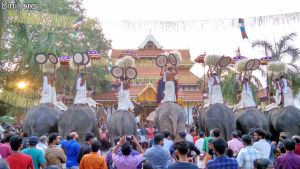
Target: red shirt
20,161
297,149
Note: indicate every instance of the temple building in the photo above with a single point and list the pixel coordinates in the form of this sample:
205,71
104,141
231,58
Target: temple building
143,88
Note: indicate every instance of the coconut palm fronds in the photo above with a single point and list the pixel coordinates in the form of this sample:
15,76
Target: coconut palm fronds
229,87
240,65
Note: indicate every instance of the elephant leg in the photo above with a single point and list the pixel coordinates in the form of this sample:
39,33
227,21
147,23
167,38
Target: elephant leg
174,119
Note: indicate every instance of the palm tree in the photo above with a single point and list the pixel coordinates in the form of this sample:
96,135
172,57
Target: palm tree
279,50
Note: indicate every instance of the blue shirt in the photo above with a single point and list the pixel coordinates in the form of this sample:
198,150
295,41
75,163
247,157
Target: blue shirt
158,156
72,149
223,162
36,155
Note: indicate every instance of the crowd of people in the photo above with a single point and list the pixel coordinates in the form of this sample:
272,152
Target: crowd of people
151,149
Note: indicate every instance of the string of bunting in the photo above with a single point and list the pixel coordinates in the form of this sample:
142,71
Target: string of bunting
187,25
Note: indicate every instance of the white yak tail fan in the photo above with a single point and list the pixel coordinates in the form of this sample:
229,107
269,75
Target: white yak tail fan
211,60
49,67
125,62
276,67
177,55
240,65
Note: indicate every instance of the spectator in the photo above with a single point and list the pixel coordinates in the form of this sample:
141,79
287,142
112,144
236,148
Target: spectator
189,136
247,155
108,158
86,147
182,150
36,154
263,163
93,160
103,139
261,144
199,145
229,153
235,144
147,165
3,164
71,148
143,136
297,147
289,160
214,133
5,149
150,132
157,155
127,161
192,147
42,145
54,155
221,161
273,147
17,160
280,148
25,140
167,140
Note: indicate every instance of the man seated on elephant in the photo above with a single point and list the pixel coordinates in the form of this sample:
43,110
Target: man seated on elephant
59,103
214,89
124,102
90,101
80,97
47,94
246,96
169,79
287,98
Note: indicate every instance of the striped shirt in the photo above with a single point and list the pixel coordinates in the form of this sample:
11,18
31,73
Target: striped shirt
246,157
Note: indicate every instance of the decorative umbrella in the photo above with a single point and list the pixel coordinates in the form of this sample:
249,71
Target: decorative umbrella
64,60
93,54
265,60
200,58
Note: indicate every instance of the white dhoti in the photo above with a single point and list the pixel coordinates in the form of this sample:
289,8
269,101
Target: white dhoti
288,97
124,102
80,97
215,95
271,106
91,102
247,99
169,93
278,97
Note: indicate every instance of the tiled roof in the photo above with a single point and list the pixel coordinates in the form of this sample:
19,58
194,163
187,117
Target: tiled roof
193,96
185,53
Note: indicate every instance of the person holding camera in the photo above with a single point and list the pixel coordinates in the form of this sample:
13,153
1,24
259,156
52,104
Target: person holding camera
127,161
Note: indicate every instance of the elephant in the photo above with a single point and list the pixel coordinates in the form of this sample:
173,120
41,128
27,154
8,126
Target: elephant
217,116
41,119
80,119
285,119
122,122
251,118
170,116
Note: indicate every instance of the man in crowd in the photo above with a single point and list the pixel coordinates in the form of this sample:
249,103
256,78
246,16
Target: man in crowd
86,147
221,161
93,160
157,155
297,146
127,161
5,149
18,160
167,140
235,144
36,154
192,147
289,160
182,150
42,145
108,158
273,147
247,155
261,144
71,148
54,155
189,136
199,145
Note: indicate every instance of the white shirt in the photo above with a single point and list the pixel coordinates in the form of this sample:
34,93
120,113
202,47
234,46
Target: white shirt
246,157
264,147
199,144
189,138
167,143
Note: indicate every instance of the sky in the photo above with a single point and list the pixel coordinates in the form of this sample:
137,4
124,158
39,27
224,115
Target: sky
221,39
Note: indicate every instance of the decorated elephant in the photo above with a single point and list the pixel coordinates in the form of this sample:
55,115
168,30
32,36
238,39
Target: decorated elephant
122,122
217,116
80,119
285,119
250,118
41,119
170,116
